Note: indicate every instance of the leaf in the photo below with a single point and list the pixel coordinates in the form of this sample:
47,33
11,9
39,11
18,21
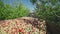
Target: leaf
19,32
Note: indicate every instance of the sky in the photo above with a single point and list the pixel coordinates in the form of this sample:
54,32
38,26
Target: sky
26,3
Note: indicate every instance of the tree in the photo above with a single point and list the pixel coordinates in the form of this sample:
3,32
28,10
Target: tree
47,9
1,8
10,12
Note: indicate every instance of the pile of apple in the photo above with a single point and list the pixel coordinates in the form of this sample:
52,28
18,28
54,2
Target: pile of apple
17,26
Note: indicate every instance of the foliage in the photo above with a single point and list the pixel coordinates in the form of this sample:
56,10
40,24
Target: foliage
10,12
47,9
